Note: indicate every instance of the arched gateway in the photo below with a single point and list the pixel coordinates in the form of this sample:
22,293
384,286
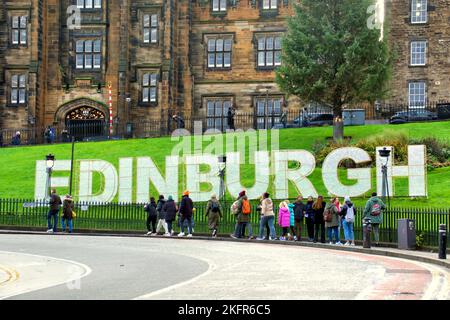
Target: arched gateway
83,118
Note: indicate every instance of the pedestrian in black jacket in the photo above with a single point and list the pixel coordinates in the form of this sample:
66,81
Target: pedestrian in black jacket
309,215
161,217
299,213
186,210
150,208
170,212
319,223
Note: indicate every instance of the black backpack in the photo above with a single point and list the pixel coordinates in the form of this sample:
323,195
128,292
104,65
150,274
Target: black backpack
214,206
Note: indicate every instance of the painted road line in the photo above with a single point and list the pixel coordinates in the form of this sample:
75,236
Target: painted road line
11,275
85,272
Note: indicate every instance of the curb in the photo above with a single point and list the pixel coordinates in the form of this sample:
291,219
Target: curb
378,251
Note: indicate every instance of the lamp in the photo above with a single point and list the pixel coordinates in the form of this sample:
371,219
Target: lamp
385,154
222,168
50,161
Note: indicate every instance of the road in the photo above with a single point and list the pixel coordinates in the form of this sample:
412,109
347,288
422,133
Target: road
59,267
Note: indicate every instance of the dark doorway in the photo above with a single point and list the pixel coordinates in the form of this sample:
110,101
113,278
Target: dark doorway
86,123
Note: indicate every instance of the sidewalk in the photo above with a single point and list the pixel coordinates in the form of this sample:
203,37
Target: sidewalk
426,256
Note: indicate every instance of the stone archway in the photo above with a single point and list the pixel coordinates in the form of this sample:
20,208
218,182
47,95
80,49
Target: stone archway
83,118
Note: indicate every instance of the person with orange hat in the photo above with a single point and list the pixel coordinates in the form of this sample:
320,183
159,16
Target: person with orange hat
186,210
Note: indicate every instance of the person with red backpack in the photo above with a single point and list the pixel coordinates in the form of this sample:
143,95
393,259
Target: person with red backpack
243,211
374,211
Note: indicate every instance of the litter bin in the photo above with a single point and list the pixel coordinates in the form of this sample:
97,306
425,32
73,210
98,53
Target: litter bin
406,234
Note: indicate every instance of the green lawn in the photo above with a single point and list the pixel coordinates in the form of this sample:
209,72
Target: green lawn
17,165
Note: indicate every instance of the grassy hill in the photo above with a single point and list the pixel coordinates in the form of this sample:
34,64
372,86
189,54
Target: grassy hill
17,165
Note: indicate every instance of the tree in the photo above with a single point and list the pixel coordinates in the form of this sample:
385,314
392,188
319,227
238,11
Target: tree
331,55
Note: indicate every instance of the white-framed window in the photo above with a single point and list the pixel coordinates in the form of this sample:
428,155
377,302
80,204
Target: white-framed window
419,11
270,4
219,5
268,111
89,4
88,54
219,52
269,50
217,112
149,87
418,53
417,94
18,88
19,30
150,28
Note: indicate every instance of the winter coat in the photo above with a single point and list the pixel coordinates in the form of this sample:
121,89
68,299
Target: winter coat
213,217
159,209
55,202
284,217
186,206
368,210
309,215
334,214
267,208
291,211
318,214
68,207
240,216
299,210
170,210
150,208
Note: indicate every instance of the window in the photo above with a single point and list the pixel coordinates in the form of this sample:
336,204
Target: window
88,54
89,4
219,5
419,10
19,30
418,53
269,51
217,112
18,88
268,111
151,28
270,4
417,94
219,52
149,87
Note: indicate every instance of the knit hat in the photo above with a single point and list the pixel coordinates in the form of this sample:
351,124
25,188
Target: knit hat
170,198
347,199
242,193
186,193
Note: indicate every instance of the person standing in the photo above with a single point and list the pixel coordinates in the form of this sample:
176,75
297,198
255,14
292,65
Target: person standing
68,207
152,215
170,209
309,216
374,211
291,235
331,217
348,218
161,218
186,210
214,214
47,135
16,139
267,217
243,211
55,206
319,223
230,118
284,220
261,219
299,213
283,118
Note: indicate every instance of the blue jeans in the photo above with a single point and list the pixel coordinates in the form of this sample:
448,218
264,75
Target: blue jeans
69,223
348,230
54,214
267,220
239,227
189,223
334,230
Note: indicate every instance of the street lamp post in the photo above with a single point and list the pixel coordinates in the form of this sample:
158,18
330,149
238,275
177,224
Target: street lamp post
384,154
50,162
222,169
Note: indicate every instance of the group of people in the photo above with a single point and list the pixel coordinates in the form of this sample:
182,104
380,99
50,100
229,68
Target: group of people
68,212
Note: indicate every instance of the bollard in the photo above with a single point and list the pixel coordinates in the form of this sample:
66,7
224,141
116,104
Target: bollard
367,229
442,241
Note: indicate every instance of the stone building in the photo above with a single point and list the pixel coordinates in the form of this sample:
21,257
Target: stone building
196,58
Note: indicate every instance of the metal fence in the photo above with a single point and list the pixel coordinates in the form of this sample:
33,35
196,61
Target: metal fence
131,217
268,119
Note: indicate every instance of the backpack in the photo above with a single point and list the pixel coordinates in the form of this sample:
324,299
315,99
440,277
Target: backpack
214,206
376,209
350,216
327,215
234,208
246,208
